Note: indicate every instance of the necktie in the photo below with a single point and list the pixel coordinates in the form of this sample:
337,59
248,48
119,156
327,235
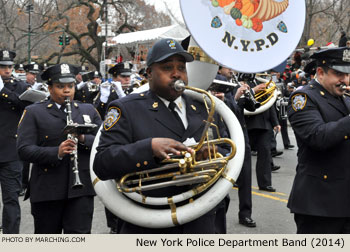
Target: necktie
62,108
172,106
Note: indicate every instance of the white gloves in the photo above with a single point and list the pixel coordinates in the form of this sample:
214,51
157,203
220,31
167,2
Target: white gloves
37,86
118,88
81,85
105,91
1,83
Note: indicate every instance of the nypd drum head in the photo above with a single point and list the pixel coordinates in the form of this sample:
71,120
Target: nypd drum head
246,35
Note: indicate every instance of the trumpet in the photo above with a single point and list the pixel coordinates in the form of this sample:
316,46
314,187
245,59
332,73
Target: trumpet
184,170
247,94
93,87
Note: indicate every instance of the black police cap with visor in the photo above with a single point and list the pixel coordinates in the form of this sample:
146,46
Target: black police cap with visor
61,73
123,68
166,48
33,68
334,58
6,57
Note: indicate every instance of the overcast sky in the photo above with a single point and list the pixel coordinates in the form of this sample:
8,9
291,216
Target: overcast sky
174,6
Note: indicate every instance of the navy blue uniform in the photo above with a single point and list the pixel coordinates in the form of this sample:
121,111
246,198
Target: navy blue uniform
39,135
126,147
11,108
101,106
321,123
85,95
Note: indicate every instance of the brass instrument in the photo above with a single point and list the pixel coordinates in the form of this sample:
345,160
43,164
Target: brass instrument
184,170
93,87
73,130
264,96
248,95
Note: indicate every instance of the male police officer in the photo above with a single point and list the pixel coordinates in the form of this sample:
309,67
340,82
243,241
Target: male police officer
319,115
32,70
11,108
55,205
142,129
88,88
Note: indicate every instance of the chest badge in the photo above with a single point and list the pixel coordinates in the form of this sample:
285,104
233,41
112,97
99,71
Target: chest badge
87,119
299,102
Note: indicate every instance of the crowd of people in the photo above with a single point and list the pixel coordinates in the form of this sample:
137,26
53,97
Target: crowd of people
48,142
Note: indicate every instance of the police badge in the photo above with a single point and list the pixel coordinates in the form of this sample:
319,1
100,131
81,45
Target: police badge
112,117
299,101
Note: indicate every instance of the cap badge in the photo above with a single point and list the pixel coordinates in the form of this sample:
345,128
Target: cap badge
6,54
346,55
65,69
299,101
126,65
171,44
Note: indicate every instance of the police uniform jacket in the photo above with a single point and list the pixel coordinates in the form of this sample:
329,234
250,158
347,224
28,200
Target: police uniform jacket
40,133
11,108
321,123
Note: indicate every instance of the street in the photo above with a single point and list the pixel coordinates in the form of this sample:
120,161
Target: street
269,209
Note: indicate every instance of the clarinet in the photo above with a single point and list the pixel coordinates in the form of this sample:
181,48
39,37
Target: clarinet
74,155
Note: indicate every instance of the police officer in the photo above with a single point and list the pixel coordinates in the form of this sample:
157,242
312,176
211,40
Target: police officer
319,115
140,130
55,205
32,70
115,89
11,108
88,88
260,128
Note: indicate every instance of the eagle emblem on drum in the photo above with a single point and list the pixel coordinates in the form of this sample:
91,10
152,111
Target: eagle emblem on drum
112,117
299,101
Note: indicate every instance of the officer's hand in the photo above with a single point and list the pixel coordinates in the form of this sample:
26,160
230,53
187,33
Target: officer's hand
66,147
260,87
277,128
241,90
219,95
161,147
81,85
203,153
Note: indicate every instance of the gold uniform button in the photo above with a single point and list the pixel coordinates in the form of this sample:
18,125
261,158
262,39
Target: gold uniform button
325,176
45,169
138,165
16,136
6,96
46,137
145,163
345,137
13,108
83,96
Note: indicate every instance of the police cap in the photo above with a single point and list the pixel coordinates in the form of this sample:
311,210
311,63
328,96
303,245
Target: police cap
61,73
33,68
165,48
334,58
19,67
123,69
91,75
6,57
